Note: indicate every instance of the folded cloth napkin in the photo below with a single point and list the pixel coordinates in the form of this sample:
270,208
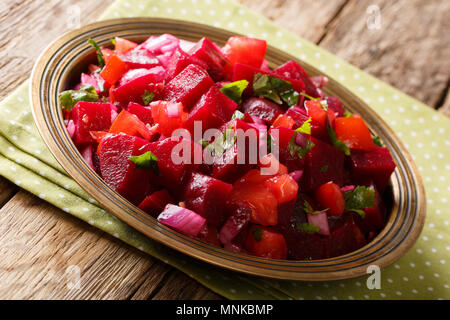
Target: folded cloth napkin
423,273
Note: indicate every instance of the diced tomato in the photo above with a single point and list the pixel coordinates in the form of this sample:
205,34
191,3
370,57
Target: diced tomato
260,199
266,242
169,116
270,161
114,70
354,133
283,121
316,111
107,54
245,50
123,45
329,195
284,187
128,123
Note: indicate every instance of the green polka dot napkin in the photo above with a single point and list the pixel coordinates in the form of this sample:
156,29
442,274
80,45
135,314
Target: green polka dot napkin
423,273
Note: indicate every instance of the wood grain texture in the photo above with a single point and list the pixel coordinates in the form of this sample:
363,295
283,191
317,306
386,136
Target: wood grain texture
39,242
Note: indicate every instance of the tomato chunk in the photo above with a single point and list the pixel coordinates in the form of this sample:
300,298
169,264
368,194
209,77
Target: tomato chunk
113,70
128,123
245,50
354,133
329,195
284,188
316,111
283,121
169,116
266,242
123,45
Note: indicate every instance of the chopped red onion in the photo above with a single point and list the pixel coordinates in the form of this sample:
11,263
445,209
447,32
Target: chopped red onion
87,156
348,188
296,175
182,219
71,128
320,220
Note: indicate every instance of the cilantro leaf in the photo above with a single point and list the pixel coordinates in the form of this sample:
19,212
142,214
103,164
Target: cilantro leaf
348,114
237,115
309,97
360,198
275,89
295,149
309,209
113,41
377,141
257,233
69,98
335,141
324,168
146,161
305,127
234,90
148,97
101,59
307,227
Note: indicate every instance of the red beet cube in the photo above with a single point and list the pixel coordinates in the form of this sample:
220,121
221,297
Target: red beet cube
291,70
335,104
180,60
90,116
143,113
155,203
213,110
345,237
188,86
292,162
323,163
262,108
207,197
120,173
376,165
208,52
299,115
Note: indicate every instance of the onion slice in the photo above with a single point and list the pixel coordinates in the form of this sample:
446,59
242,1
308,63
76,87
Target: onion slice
320,220
182,219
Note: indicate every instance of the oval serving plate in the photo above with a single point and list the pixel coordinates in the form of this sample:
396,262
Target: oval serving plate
64,60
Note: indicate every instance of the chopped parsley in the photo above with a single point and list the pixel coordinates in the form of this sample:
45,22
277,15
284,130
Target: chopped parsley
360,198
101,59
113,41
324,168
335,141
275,89
307,227
309,209
305,127
257,233
69,98
309,97
295,149
148,97
146,161
234,90
377,141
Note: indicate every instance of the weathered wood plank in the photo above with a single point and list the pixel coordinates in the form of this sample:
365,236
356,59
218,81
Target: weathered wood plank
7,190
411,50
307,18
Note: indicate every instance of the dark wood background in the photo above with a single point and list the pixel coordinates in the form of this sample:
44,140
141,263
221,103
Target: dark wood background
411,51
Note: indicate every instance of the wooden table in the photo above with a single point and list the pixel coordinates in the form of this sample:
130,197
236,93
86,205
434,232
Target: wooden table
38,241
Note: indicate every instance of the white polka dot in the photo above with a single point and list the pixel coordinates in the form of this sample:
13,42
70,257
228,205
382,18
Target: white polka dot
382,295
421,277
442,261
91,222
414,291
318,298
427,263
334,298
250,291
116,235
42,196
109,222
398,293
436,275
389,280
412,265
66,209
425,238
405,279
351,298
85,209
430,289
61,195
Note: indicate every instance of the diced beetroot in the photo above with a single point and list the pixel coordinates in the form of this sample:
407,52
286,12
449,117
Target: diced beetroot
155,203
205,50
188,86
207,196
335,104
239,216
377,165
180,60
245,72
120,173
213,110
139,58
134,90
374,217
143,113
300,116
90,116
262,108
345,237
209,234
292,162
292,70
323,163
319,81
136,73
226,166
171,174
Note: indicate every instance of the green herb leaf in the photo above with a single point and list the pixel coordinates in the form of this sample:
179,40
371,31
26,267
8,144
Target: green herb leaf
324,168
101,59
113,41
309,97
104,99
307,227
146,161
360,198
257,233
69,98
335,141
295,149
348,114
305,127
324,104
377,141
237,115
148,97
309,209
234,90
275,89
